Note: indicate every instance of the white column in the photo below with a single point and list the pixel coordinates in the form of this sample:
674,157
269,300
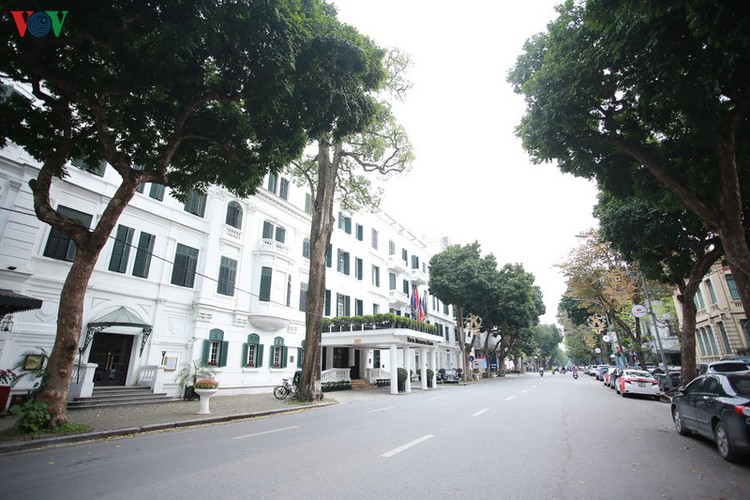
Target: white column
407,367
423,366
394,369
433,366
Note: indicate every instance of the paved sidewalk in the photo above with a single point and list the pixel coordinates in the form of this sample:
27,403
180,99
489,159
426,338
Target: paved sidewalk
122,420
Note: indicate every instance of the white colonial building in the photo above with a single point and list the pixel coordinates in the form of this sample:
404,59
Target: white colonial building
217,280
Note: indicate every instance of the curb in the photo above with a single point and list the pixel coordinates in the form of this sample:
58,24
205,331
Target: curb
30,444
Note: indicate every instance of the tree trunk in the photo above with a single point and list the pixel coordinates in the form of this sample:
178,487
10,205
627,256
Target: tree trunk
321,230
688,369
89,245
462,342
738,255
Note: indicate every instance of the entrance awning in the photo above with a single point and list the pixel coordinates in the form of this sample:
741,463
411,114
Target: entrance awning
119,317
12,302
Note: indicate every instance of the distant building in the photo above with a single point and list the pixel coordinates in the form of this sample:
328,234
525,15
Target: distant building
217,280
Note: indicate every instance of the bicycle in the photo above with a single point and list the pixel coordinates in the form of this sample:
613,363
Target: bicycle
284,390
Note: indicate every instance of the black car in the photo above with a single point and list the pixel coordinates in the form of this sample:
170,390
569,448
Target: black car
674,377
716,406
450,375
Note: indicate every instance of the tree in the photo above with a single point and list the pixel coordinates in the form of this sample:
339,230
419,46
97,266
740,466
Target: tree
353,130
613,89
178,93
548,338
455,278
676,247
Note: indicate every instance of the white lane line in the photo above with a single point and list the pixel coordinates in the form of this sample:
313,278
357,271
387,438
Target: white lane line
381,409
437,397
509,398
407,446
480,412
266,432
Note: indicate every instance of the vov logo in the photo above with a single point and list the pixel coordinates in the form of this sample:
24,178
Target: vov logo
40,23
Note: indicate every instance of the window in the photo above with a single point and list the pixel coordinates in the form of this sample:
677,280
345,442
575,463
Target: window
143,255
699,336
376,309
724,337
343,262
359,307
253,357
415,262
308,203
327,308
234,215
288,290
391,247
405,287
446,309
360,230
60,246
404,255
185,263
266,274
699,300
300,354
272,231
227,275
97,169
329,256
391,281
302,296
121,249
195,203
359,268
343,303
732,287
306,248
345,223
376,276
710,288
215,349
278,353
375,239
711,338
284,189
746,329
272,183
157,192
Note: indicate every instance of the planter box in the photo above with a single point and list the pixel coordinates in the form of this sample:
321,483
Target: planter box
334,389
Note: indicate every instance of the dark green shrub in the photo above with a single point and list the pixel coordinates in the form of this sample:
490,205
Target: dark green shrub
402,375
33,417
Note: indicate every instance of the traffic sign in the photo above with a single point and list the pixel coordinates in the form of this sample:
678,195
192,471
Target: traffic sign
638,311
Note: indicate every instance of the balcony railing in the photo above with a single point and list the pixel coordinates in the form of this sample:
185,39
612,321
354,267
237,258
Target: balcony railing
396,297
273,246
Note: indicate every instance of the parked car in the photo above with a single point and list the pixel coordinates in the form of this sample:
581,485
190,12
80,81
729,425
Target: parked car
450,375
724,367
602,369
592,369
607,376
614,376
674,377
638,382
716,406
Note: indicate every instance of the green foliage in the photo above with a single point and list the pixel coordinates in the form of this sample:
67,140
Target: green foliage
402,375
191,372
33,417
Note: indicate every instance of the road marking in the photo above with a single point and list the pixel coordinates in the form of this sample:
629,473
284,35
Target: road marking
509,398
480,412
433,399
266,432
381,409
407,446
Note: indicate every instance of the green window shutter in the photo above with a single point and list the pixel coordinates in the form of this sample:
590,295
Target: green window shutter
346,264
284,356
121,249
329,257
328,303
244,355
223,353
347,305
299,357
270,355
265,284
206,350
259,356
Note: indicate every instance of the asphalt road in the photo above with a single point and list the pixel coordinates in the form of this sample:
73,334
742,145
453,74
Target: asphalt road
524,437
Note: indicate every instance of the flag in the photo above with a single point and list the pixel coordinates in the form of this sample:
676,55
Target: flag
414,300
424,306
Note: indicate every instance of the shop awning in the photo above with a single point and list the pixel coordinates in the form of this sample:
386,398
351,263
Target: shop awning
12,302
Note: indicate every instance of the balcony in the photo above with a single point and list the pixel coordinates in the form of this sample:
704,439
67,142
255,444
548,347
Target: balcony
270,246
397,264
419,277
397,298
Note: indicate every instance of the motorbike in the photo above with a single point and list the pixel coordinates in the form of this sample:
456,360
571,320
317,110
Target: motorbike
575,375
541,372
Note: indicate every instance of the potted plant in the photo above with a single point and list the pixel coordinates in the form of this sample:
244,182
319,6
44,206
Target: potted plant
8,379
189,375
402,376
430,374
205,388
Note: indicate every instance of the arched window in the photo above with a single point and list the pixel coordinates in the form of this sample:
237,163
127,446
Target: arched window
234,215
215,349
278,353
253,352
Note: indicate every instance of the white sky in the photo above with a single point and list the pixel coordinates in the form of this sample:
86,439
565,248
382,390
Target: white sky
471,179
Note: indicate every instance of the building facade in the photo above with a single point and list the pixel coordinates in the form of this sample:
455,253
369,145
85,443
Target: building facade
721,327
216,280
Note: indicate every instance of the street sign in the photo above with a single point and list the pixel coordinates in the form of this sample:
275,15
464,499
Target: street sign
597,350
638,311
606,338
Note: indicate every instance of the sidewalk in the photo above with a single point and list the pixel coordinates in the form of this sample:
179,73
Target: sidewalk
123,420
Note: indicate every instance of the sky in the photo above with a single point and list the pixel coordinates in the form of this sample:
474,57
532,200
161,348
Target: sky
471,179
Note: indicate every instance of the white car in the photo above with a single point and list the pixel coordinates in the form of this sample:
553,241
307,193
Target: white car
638,382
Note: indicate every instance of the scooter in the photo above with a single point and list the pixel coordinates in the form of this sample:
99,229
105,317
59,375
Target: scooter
541,372
575,375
